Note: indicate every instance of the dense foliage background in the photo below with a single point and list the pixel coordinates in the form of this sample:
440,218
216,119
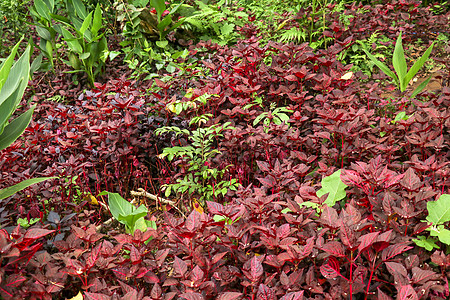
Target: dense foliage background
259,152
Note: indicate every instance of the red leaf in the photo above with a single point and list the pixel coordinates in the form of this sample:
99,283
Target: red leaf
394,250
330,270
283,231
179,266
422,276
411,181
347,236
407,293
192,296
197,275
329,217
95,296
218,257
35,233
156,291
265,293
291,78
367,240
193,221
293,296
135,256
214,207
229,296
334,248
254,269
383,296
396,268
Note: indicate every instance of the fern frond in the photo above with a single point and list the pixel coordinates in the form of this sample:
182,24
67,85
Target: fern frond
293,35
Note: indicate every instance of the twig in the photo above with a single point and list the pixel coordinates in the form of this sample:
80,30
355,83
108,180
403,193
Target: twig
142,193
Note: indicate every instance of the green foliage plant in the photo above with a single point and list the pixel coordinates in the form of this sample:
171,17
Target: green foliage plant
438,217
13,82
201,179
88,45
13,22
277,116
402,75
127,214
42,11
82,31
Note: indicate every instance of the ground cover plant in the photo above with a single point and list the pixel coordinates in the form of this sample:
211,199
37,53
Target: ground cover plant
228,155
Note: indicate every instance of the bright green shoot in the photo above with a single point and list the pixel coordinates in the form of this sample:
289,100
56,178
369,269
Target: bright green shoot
402,75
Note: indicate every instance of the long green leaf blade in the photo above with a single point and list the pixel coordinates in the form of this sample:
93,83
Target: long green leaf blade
399,62
97,21
382,66
6,65
14,87
9,191
420,87
14,129
418,64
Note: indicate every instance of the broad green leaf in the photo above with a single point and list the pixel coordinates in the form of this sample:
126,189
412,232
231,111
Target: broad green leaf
164,23
119,206
9,191
140,224
428,243
399,62
42,9
382,66
130,219
420,87
80,9
85,55
439,210
86,24
6,65
160,7
418,64
14,87
335,188
73,44
442,234
14,129
43,33
97,21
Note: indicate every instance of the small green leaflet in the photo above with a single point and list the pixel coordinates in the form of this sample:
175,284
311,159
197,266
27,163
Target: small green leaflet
335,188
427,243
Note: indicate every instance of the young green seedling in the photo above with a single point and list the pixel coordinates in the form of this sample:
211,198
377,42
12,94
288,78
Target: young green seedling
402,76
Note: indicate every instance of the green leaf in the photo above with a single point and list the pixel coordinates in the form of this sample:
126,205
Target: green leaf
427,243
335,188
14,87
442,234
164,23
418,64
42,9
382,66
259,118
85,55
130,219
162,44
399,62
80,9
97,21
420,87
43,33
9,191
7,64
86,24
439,210
160,7
14,129
73,44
